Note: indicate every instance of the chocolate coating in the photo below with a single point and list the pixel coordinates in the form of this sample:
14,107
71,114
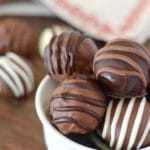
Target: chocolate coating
127,124
69,54
16,36
122,67
77,106
48,33
16,76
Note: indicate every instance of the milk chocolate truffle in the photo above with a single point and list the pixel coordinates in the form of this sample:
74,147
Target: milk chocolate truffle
16,36
16,76
122,66
77,106
47,35
127,124
69,54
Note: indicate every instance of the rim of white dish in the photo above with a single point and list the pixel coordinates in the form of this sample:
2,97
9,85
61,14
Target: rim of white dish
45,121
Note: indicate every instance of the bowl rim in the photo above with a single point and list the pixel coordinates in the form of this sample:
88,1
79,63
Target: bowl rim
45,121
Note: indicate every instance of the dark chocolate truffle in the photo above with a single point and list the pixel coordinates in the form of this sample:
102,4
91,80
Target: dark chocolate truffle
127,124
16,36
16,76
77,106
69,54
122,66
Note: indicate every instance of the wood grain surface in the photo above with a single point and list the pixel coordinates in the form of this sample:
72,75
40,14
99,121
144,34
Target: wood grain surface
20,128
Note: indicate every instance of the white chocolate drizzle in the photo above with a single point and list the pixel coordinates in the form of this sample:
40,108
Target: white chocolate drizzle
111,124
125,124
16,73
136,124
114,122
146,131
107,119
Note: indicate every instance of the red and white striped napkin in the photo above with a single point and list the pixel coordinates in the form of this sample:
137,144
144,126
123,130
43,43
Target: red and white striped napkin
106,19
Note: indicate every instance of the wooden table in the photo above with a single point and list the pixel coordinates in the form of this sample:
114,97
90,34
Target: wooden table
20,128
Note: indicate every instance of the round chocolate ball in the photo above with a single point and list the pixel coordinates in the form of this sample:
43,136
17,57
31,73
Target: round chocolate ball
127,124
16,36
122,66
77,106
16,76
69,54
47,35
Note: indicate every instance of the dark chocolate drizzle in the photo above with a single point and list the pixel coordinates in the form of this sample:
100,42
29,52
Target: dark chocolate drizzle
69,50
64,51
81,38
50,54
70,41
124,50
59,42
73,45
71,120
78,43
46,60
128,43
84,99
69,63
80,109
83,86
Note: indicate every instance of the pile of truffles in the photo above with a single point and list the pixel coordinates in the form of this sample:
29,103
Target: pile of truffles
101,90
17,41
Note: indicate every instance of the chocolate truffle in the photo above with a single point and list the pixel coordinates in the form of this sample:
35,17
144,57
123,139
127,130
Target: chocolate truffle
47,35
122,66
69,54
77,106
16,36
16,76
127,124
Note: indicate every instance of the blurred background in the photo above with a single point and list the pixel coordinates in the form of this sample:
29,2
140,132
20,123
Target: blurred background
103,20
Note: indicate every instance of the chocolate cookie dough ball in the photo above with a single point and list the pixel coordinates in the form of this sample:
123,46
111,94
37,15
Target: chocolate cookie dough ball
16,36
69,54
127,124
77,106
16,76
48,33
122,66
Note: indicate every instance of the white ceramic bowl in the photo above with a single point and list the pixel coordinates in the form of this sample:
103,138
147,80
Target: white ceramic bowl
54,139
